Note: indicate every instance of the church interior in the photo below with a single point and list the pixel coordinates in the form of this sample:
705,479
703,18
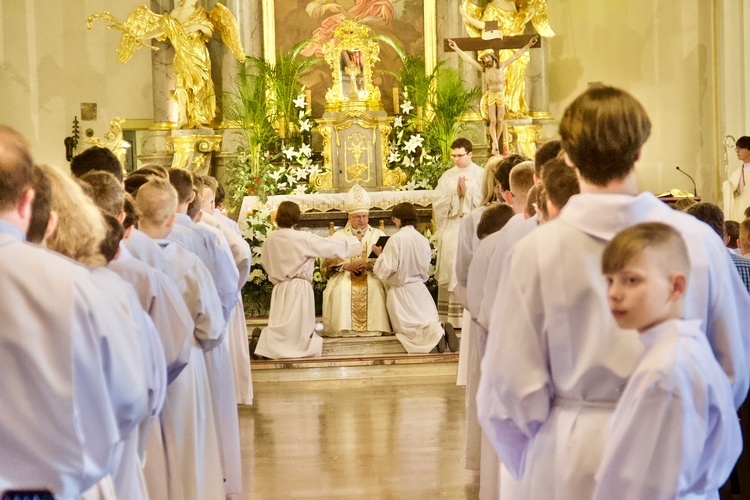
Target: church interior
364,419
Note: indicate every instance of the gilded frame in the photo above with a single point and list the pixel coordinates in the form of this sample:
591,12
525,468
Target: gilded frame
429,13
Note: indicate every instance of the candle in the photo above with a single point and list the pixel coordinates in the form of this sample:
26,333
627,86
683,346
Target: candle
395,101
308,98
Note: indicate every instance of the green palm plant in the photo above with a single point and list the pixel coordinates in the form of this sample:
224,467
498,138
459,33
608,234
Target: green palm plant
449,100
285,76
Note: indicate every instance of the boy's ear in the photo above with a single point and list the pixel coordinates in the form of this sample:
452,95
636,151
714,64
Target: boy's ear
679,285
170,221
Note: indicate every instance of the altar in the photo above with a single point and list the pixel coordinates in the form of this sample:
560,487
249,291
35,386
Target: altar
323,211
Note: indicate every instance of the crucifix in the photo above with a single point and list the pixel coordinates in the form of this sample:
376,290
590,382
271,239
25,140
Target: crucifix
493,70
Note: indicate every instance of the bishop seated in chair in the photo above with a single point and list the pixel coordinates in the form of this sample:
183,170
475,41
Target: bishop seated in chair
354,299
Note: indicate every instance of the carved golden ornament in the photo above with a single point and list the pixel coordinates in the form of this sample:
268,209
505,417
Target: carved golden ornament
352,52
357,146
113,140
186,146
526,137
322,181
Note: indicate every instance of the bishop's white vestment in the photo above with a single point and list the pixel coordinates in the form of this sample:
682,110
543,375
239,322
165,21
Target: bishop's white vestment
404,265
288,257
551,323
674,433
354,305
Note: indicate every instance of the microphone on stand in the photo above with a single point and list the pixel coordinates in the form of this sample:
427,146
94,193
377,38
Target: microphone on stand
695,189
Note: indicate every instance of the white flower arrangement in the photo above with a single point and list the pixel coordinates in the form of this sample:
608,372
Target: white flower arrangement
407,149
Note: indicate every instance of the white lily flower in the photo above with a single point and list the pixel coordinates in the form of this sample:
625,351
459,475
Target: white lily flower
406,107
300,101
275,175
305,125
398,122
394,157
306,150
407,162
289,152
299,190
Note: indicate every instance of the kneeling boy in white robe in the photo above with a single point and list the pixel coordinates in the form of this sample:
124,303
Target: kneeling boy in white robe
404,264
288,256
674,433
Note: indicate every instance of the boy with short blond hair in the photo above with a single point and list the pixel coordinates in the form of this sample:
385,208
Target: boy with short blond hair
674,432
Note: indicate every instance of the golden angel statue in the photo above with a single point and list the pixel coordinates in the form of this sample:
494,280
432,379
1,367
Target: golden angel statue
511,17
188,27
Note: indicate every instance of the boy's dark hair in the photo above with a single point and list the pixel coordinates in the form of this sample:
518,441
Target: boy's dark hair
560,182
182,181
406,213
40,207
732,228
153,169
111,242
710,214
287,215
106,191
220,194
494,219
743,142
134,181
546,152
131,214
96,158
602,132
502,175
462,142
16,168
195,206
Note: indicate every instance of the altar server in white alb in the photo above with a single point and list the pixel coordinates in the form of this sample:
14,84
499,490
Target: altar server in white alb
354,298
674,433
240,249
288,257
459,191
735,190
80,234
404,264
203,243
66,402
552,322
190,436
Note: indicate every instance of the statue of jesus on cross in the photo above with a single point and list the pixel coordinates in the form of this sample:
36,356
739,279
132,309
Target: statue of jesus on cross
493,77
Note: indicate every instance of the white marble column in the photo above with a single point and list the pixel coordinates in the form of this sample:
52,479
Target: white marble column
165,109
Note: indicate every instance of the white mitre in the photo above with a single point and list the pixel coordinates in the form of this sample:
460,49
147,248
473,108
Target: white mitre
357,200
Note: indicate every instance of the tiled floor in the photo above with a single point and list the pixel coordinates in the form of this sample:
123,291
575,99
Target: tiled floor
392,437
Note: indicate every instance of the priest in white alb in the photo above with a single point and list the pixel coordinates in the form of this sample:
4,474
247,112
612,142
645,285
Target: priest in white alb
459,191
735,191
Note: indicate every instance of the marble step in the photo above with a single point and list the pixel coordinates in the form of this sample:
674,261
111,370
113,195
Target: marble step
355,357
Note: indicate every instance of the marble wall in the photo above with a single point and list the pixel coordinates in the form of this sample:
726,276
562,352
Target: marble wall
51,64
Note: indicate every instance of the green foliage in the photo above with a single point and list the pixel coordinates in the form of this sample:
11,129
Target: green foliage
449,100
264,103
429,121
